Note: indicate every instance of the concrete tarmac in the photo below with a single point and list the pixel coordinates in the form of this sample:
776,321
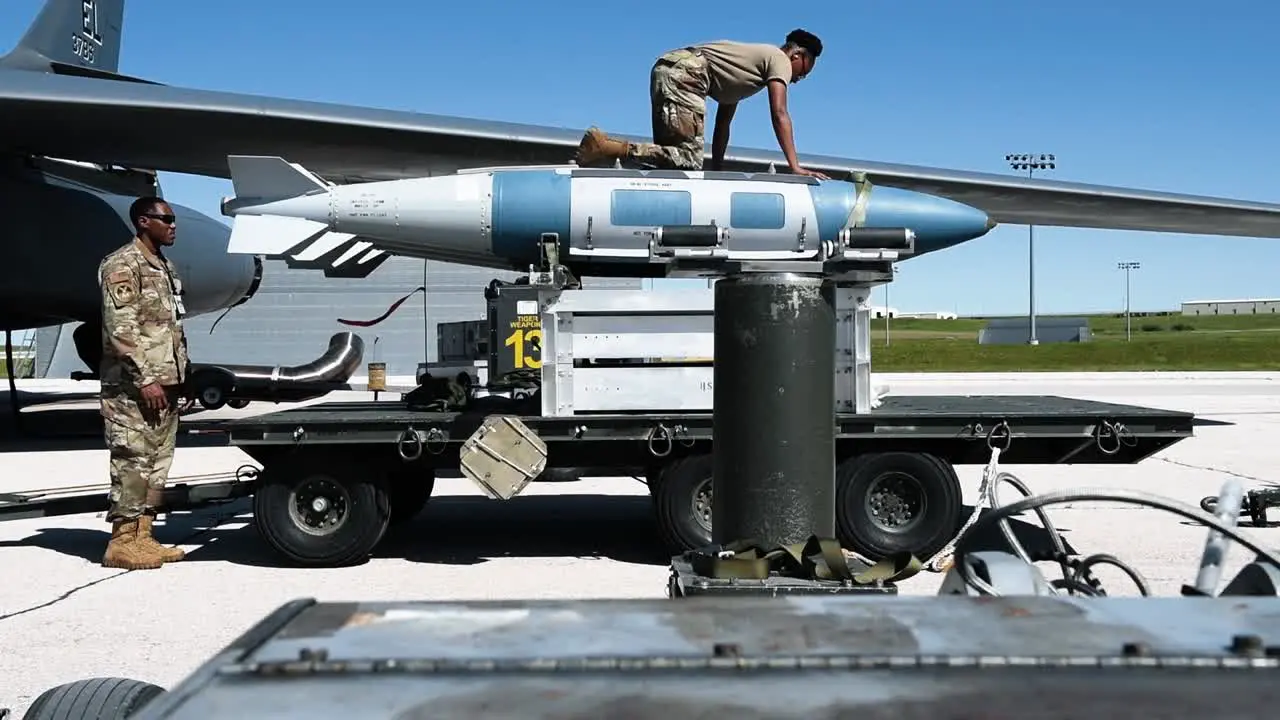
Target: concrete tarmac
63,617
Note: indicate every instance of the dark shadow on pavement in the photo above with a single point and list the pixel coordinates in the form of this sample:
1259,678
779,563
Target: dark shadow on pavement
450,530
456,530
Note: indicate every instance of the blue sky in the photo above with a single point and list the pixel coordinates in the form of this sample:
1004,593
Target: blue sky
1143,93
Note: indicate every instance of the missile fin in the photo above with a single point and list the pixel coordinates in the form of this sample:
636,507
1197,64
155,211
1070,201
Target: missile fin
270,178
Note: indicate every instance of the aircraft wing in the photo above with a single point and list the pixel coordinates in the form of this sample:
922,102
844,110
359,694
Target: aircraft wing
193,131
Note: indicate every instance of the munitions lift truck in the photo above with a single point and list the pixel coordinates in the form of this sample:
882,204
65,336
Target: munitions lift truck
619,381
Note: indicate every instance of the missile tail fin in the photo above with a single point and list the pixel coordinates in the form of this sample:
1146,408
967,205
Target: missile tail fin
271,178
274,236
304,244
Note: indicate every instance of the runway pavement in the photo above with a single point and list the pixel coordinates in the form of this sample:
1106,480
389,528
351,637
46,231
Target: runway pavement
62,617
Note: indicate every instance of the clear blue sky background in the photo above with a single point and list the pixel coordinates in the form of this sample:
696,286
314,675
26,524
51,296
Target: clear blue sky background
1156,94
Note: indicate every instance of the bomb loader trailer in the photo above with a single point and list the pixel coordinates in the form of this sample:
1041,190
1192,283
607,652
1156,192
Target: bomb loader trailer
573,372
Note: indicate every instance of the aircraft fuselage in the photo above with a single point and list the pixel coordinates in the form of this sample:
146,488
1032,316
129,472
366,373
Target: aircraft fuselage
63,218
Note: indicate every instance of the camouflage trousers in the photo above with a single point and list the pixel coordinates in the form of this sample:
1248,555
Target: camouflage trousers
141,444
678,87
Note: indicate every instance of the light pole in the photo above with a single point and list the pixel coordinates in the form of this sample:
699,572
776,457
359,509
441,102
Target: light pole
1127,267
1031,163
886,305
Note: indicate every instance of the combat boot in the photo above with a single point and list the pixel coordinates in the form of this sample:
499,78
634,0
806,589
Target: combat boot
125,552
167,554
598,148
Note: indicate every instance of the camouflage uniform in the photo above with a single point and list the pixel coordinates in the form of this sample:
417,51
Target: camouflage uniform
678,88
143,343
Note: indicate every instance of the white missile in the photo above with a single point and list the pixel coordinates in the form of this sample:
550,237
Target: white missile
608,219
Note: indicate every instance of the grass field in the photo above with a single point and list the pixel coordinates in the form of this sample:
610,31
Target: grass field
1160,342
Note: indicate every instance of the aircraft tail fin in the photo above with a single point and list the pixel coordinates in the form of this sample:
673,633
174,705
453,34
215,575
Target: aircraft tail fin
79,37
270,178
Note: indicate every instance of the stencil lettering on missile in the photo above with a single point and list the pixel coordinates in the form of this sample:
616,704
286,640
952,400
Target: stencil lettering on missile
85,44
526,342
367,205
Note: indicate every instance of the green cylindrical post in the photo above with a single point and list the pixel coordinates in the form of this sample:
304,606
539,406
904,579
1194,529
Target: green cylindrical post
774,408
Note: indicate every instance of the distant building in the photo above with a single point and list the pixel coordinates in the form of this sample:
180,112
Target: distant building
1267,306
1050,329
931,315
880,311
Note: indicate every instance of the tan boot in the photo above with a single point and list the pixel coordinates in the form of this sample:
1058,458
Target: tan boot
125,552
598,148
167,554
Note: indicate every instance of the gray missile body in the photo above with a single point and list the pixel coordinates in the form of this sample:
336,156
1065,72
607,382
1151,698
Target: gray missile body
607,222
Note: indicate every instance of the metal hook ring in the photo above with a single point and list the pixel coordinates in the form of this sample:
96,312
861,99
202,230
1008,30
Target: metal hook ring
401,442
436,434
665,434
1125,436
1102,429
995,434
682,432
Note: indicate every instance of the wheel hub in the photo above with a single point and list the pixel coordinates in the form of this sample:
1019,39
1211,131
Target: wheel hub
319,506
895,502
702,504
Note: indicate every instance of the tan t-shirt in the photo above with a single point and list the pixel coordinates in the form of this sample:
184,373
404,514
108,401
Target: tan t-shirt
739,70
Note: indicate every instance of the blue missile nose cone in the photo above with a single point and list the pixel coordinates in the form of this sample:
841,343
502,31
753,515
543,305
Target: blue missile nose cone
938,222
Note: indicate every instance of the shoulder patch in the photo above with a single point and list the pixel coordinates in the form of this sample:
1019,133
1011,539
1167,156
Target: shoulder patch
121,287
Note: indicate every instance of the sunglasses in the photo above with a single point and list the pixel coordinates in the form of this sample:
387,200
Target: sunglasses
166,219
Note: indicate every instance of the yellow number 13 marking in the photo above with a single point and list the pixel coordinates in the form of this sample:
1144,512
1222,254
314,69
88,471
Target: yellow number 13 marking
517,339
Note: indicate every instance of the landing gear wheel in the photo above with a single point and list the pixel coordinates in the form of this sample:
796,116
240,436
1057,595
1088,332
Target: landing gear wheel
109,698
325,511
897,502
682,500
409,489
212,397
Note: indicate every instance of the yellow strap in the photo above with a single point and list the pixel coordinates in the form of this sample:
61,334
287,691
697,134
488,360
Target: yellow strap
816,559
858,215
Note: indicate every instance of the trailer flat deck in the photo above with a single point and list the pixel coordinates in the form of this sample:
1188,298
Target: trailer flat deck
1041,429
377,463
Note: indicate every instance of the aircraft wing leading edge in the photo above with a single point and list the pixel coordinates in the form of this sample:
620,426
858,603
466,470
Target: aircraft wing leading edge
136,125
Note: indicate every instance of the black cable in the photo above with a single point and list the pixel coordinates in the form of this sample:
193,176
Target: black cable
1136,497
1084,568
1055,537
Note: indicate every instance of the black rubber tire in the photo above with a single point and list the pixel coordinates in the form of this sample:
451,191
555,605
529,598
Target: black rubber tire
213,387
212,397
674,503
109,698
943,512
367,517
238,404
409,492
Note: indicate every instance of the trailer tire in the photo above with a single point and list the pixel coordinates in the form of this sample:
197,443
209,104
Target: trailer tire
928,487
295,497
108,698
409,492
683,488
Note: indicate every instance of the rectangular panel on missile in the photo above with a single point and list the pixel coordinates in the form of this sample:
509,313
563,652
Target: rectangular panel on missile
620,213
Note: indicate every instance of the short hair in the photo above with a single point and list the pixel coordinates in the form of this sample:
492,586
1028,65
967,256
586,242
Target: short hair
142,206
806,41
